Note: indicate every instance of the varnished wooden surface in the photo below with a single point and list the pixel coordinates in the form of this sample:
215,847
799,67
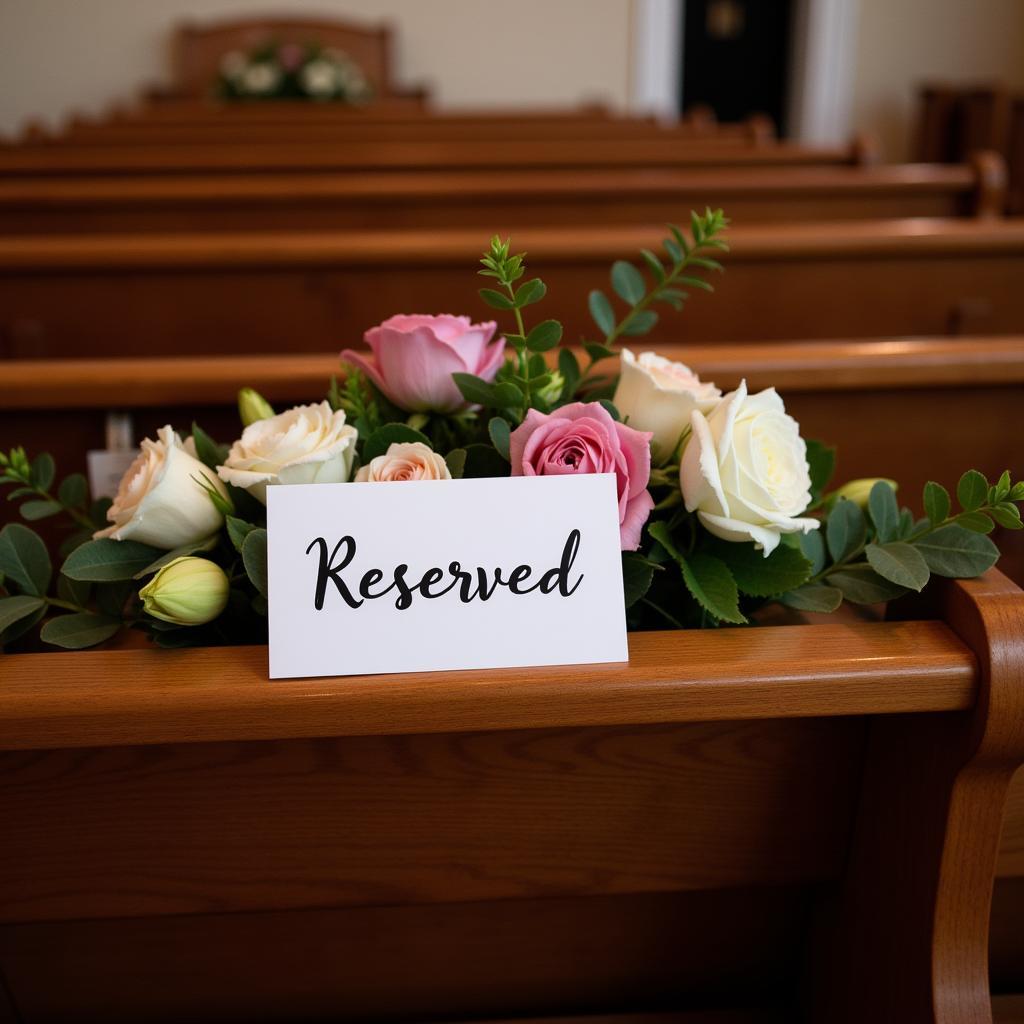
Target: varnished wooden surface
1011,852
302,158
792,367
152,696
794,241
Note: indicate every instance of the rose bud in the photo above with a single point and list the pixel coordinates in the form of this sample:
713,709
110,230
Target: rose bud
858,491
188,591
253,407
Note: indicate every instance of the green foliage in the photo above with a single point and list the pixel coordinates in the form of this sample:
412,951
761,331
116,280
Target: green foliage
884,512
206,544
209,452
14,609
79,630
456,462
972,490
637,574
821,461
936,502
846,530
24,560
254,558
103,560
899,563
500,433
813,597
957,553
785,569
238,530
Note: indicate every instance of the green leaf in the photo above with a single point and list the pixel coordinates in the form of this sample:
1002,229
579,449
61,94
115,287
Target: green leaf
899,563
640,323
846,530
393,433
532,291
73,490
885,513
496,300
812,544
14,609
609,407
821,462
24,559
813,597
936,502
206,544
507,395
1002,486
706,577
75,591
569,368
483,461
43,471
957,553
972,490
103,560
209,453
238,530
474,389
1017,491
98,512
83,629
33,510
784,569
695,282
860,584
601,310
111,597
976,521
254,558
75,540
628,282
546,335
654,264
499,432
598,352
1007,515
456,462
637,573
21,627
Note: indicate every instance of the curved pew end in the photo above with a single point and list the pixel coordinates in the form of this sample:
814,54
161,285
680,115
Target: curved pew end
907,939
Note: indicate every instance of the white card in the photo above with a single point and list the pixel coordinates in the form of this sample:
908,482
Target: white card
338,545
106,469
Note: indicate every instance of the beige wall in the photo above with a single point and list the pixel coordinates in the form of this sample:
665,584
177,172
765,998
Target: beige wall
903,42
64,55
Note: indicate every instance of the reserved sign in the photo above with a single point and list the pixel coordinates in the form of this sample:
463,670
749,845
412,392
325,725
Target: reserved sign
444,574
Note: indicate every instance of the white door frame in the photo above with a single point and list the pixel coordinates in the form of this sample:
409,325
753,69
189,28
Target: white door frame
821,83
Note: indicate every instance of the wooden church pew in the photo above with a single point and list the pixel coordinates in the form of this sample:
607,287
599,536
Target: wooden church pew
67,297
495,200
421,155
794,822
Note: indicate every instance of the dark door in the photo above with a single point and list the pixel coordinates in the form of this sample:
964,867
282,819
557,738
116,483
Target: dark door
736,57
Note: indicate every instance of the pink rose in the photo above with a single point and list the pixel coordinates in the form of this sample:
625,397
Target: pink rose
583,438
415,357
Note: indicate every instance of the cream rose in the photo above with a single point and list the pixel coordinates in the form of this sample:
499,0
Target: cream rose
309,444
411,460
744,470
160,501
658,395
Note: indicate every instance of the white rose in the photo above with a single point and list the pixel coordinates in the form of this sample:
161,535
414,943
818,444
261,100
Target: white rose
658,395
319,78
744,470
260,78
411,460
160,501
309,444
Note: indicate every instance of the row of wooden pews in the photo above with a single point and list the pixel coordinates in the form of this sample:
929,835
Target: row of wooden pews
800,822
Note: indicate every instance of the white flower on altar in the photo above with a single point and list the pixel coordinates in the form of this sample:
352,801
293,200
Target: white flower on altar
319,78
260,78
161,500
744,470
309,444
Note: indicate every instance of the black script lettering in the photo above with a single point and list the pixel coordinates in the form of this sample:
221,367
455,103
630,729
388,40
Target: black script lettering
328,571
560,577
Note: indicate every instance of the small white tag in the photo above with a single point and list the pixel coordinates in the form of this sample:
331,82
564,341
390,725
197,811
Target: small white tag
401,576
106,469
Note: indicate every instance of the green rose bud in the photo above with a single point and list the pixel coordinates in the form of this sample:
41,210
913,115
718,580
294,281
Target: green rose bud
188,591
553,389
253,407
858,491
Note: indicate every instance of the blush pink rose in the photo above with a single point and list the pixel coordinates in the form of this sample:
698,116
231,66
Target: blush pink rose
414,358
583,438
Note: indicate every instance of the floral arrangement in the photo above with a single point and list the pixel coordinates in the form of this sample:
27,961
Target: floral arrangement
292,71
723,506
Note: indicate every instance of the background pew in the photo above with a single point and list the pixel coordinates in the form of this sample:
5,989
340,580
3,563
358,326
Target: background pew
273,292
420,154
495,200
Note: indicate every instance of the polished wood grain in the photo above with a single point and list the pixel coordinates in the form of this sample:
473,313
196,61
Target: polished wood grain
1011,852
423,154
153,696
931,879
268,292
493,200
